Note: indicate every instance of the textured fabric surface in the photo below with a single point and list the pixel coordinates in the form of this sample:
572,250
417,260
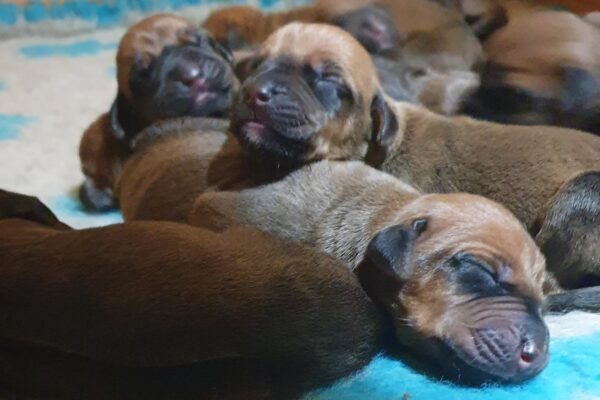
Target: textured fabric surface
51,89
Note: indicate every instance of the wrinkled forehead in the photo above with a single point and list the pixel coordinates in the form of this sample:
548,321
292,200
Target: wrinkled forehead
466,223
316,44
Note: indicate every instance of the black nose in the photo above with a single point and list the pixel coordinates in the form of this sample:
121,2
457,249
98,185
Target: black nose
258,94
190,75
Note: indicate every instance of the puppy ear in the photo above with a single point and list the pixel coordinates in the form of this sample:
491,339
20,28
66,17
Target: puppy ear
388,260
488,23
139,76
581,90
119,115
384,130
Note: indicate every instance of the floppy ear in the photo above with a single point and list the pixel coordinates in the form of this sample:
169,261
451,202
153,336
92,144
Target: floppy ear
388,260
120,116
139,76
384,130
581,89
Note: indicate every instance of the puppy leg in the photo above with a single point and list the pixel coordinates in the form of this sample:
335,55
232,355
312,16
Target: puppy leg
16,205
570,232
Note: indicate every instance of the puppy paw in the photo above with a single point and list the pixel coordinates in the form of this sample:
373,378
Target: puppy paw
16,205
94,199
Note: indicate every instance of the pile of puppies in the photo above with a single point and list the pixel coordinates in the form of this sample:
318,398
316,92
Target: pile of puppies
306,202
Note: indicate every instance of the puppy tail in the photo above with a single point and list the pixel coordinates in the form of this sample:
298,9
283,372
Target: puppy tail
587,299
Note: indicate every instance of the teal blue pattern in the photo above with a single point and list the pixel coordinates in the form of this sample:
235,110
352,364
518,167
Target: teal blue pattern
11,125
75,49
573,372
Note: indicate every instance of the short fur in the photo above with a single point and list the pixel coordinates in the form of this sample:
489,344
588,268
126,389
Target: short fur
154,310
523,168
166,67
175,161
346,209
426,30
542,68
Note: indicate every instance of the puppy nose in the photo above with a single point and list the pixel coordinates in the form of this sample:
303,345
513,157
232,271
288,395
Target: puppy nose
258,95
190,76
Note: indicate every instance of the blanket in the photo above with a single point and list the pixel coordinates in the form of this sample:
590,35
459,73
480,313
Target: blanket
52,88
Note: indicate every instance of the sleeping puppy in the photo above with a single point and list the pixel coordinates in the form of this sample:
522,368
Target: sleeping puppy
422,28
543,68
407,77
166,67
444,260
152,310
332,107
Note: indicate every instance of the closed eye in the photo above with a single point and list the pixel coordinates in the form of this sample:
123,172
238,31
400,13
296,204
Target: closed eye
469,261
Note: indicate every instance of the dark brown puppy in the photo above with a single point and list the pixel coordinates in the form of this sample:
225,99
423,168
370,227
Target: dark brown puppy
446,260
162,311
166,67
335,109
424,30
543,67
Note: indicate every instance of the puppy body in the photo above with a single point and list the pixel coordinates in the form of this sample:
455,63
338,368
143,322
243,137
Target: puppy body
177,160
336,207
397,241
143,301
524,168
166,68
166,173
551,78
441,154
426,30
535,171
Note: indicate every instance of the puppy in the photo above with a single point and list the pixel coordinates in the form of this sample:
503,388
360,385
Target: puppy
407,77
166,67
423,29
444,259
543,68
175,161
154,310
335,109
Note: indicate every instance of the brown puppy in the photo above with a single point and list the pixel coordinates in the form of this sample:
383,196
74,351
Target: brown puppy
424,30
161,311
175,161
407,77
444,259
166,67
543,67
335,110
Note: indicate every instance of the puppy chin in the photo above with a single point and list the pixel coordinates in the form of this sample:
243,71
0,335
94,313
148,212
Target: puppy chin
262,141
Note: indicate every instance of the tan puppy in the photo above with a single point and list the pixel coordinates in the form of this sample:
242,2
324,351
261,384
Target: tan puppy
161,311
166,67
543,67
445,259
542,174
425,30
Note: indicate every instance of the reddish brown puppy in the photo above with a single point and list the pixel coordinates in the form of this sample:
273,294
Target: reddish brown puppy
166,67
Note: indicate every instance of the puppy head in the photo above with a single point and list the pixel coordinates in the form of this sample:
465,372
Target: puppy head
462,282
311,93
372,26
543,68
166,68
